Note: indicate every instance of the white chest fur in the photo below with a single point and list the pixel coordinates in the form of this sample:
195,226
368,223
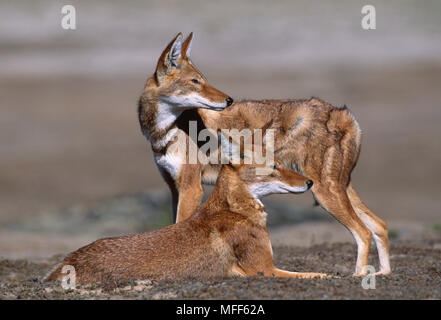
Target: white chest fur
170,162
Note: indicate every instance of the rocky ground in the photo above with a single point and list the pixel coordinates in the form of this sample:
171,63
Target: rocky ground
304,239
416,275
73,158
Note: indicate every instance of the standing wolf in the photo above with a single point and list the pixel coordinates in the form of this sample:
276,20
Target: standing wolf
311,136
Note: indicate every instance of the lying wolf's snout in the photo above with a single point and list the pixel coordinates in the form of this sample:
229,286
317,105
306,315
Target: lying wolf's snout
309,183
229,101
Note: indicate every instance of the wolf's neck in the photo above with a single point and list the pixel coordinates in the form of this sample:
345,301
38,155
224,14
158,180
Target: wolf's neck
159,124
232,195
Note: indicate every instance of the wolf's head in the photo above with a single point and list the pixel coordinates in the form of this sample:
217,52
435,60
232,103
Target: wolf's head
180,84
279,180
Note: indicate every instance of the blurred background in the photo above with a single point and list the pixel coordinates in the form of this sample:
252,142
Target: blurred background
74,165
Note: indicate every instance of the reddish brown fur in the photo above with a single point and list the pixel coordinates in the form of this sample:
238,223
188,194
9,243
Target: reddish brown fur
323,143
167,81
311,136
226,236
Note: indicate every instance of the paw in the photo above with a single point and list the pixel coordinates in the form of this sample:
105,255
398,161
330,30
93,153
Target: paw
383,273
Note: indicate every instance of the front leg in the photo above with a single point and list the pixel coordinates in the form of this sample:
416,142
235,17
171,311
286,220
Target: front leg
189,191
173,190
258,259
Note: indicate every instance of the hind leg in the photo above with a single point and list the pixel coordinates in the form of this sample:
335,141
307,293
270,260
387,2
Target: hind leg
334,199
377,226
301,275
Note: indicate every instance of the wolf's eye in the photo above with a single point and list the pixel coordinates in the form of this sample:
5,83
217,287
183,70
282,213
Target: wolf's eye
196,81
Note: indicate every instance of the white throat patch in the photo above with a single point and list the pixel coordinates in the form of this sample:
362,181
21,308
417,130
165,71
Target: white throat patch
167,114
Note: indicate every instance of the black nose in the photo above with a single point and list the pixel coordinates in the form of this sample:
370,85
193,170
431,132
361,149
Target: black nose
229,101
309,183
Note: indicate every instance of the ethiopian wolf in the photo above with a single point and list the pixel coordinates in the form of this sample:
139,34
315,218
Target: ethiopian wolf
311,137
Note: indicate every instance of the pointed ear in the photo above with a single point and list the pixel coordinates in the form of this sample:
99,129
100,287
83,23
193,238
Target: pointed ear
186,46
169,57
